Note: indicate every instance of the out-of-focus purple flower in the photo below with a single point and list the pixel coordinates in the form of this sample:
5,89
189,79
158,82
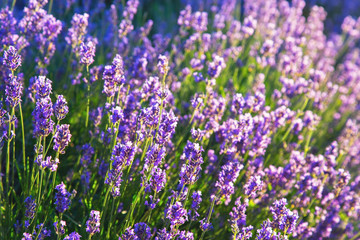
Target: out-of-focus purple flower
27,236
185,235
62,138
199,21
11,59
87,52
193,214
116,114
93,223
30,207
238,104
47,163
238,215
13,91
177,214
129,234
44,232
60,107
245,233
163,64
265,232
249,26
73,236
284,219
130,9
78,30
62,198
163,234
142,231
253,185
215,67
205,226
60,227
113,76
185,17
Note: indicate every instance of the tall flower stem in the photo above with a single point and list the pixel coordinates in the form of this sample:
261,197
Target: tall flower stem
25,165
88,97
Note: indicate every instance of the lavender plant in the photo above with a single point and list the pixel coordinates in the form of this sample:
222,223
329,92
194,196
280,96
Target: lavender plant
185,120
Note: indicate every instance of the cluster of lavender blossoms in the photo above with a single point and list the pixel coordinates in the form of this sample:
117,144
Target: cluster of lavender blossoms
216,119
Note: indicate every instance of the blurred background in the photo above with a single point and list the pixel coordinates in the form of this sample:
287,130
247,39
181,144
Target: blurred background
164,13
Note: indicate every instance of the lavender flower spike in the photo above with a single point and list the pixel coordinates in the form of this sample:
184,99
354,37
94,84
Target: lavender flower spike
62,138
12,59
93,224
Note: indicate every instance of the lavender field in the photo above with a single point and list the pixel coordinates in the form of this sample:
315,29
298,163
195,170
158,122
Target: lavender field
175,119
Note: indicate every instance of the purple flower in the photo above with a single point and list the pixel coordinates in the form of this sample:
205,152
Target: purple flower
163,64
60,228
113,76
30,207
129,234
249,26
265,232
228,175
205,226
284,219
13,91
167,127
154,156
238,215
193,214
177,214
253,185
185,235
11,59
62,138
78,30
62,198
116,114
163,234
215,67
122,155
44,232
93,223
60,107
47,163
199,21
142,231
73,236
42,86
157,179
27,236
245,233
87,52
43,124
189,172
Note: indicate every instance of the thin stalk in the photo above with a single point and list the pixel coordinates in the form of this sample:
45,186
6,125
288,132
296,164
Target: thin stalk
26,167
88,98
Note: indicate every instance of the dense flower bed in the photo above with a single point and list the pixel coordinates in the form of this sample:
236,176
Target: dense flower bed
240,124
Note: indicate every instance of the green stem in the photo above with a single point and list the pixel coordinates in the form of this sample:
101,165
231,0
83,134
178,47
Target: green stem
88,98
26,167
50,6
